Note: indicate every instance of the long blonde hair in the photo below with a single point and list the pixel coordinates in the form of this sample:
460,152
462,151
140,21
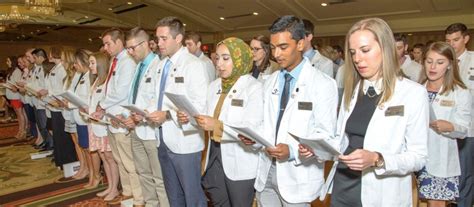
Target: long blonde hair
451,77
67,59
390,66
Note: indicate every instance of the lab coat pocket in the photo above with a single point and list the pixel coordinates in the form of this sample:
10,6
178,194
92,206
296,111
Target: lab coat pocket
301,120
235,114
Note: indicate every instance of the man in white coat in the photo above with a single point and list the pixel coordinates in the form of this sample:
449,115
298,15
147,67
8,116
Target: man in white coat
180,145
142,95
116,93
317,60
457,36
192,40
300,100
409,67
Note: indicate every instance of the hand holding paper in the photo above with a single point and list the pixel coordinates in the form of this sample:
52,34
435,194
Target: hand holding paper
321,149
183,103
251,134
74,99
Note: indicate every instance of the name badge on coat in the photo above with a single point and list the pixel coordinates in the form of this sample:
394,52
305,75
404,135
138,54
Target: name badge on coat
179,79
237,102
113,73
447,103
148,80
471,78
98,90
307,106
395,111
53,74
82,82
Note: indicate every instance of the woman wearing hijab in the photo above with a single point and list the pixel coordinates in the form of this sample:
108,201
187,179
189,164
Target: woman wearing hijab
233,99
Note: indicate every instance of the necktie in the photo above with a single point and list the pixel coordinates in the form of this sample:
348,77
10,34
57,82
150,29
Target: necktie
255,71
112,69
371,92
164,76
283,102
137,81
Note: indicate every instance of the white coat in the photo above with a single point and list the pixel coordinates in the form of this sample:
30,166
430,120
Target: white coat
443,155
81,87
147,98
55,84
466,71
239,161
117,87
210,69
323,63
402,141
97,94
38,83
187,75
14,77
298,182
411,69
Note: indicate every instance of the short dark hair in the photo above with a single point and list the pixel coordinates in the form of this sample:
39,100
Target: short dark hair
291,24
419,46
40,53
308,27
194,36
338,48
138,33
456,27
400,38
115,34
175,25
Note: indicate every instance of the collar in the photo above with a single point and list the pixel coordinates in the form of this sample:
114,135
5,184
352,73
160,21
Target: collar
309,53
121,54
377,84
148,59
295,73
463,55
175,57
199,53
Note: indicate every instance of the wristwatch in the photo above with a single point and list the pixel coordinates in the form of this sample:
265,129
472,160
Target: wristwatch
380,162
168,115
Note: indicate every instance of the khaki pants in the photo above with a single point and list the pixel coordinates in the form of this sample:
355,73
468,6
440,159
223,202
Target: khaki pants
145,156
121,146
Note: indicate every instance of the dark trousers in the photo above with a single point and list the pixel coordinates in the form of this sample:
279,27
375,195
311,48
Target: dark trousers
182,177
64,151
30,114
41,121
224,192
466,180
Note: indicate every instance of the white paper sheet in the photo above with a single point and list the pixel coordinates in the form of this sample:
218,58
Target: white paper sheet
112,117
31,90
252,134
321,148
74,99
93,119
136,109
183,103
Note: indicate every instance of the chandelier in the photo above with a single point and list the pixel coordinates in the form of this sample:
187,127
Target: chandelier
14,15
45,7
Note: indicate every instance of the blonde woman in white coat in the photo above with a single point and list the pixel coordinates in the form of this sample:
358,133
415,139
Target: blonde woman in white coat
438,181
235,99
382,123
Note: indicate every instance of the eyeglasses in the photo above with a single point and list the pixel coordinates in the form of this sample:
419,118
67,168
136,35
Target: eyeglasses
132,48
256,49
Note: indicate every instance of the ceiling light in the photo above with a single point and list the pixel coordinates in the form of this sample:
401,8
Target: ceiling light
129,3
324,4
87,17
255,13
110,9
184,24
45,7
409,34
2,28
221,18
14,15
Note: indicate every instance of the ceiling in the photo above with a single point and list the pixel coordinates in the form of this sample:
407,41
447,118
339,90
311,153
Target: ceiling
82,21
